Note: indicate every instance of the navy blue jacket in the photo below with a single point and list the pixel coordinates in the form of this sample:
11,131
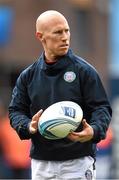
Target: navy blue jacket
73,79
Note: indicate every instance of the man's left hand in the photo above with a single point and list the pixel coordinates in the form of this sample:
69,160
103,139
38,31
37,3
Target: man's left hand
85,135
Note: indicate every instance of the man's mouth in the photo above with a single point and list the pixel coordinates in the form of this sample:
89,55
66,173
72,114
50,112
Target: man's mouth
64,45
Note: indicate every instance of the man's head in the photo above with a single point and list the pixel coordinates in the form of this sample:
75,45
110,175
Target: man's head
52,30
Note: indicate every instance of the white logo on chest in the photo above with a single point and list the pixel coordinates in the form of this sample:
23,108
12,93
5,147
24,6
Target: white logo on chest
69,76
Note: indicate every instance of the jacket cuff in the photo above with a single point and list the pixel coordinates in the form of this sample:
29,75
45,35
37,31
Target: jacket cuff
24,132
96,136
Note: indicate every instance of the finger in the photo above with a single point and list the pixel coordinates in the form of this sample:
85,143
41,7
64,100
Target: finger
34,123
77,138
84,122
37,115
78,134
33,130
33,127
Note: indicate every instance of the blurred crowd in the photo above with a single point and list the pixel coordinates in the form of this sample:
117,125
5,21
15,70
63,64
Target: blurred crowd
14,153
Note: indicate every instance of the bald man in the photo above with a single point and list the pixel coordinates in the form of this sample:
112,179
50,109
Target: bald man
55,40
46,82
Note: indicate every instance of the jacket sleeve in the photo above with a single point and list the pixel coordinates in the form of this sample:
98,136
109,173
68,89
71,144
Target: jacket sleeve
97,105
19,112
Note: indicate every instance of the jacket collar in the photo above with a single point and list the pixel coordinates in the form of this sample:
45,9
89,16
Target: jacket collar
61,63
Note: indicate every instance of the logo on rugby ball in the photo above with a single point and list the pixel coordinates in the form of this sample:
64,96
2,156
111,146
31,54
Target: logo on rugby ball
69,111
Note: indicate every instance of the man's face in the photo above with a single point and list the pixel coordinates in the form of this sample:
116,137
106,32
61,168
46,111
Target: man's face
56,38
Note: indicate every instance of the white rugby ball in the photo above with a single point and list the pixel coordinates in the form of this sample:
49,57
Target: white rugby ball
59,119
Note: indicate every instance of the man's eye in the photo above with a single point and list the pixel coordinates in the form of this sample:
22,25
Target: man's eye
58,32
67,30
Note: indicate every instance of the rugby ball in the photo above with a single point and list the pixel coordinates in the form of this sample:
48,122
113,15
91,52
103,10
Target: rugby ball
59,119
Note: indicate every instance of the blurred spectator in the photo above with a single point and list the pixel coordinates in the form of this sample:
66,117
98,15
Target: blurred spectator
104,157
6,24
1,153
15,161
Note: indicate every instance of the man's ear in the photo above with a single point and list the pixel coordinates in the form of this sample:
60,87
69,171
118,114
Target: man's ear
39,35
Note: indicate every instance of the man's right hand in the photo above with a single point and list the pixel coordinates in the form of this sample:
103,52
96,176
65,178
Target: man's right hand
33,126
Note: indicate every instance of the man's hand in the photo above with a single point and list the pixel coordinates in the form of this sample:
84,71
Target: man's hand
85,135
34,122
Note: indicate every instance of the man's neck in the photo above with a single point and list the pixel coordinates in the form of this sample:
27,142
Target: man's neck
50,61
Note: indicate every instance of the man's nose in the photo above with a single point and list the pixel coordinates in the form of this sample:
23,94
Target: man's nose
65,36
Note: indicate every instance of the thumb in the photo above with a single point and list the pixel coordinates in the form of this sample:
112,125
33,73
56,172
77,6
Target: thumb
85,124
37,115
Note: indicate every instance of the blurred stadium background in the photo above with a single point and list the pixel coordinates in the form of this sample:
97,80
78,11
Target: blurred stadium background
94,36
